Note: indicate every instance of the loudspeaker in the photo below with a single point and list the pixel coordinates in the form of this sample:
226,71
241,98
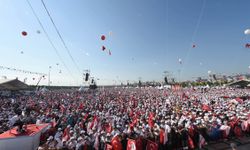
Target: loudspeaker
214,77
166,80
139,84
87,77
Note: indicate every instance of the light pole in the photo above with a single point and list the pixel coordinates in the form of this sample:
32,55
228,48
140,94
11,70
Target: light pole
49,75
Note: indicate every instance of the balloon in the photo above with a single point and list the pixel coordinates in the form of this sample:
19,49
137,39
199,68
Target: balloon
57,64
33,78
247,31
24,33
103,48
21,52
194,46
247,45
180,61
103,37
38,31
248,67
209,71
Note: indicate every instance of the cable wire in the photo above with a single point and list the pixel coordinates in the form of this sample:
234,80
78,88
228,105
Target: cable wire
49,39
60,36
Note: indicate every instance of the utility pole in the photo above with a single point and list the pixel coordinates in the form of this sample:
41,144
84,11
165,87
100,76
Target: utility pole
49,76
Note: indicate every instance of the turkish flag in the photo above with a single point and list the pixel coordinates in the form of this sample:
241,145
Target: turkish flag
81,106
116,144
139,144
206,107
108,147
150,120
239,100
238,132
131,144
108,127
85,117
152,145
94,122
162,133
62,108
66,135
190,143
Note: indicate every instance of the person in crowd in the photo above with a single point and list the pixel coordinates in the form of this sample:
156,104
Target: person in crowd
122,118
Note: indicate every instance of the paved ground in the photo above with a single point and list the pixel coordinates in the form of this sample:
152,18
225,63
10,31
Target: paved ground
242,143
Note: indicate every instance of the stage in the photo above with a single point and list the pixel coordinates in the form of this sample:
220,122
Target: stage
11,140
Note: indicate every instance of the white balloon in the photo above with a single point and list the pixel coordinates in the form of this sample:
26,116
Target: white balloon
247,31
209,71
249,67
179,60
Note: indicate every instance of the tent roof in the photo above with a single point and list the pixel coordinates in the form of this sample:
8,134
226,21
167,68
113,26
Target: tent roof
242,83
12,84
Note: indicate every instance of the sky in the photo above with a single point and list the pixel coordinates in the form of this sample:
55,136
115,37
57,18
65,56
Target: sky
145,37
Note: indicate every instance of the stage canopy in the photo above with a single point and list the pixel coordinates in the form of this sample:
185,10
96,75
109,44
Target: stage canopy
12,84
240,83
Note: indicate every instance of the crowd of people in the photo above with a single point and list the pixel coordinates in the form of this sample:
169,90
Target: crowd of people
131,118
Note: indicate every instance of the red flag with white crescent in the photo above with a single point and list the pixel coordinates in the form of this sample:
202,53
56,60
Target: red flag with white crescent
131,144
116,143
152,145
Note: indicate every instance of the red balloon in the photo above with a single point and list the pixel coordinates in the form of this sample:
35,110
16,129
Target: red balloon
103,48
247,45
24,33
103,37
